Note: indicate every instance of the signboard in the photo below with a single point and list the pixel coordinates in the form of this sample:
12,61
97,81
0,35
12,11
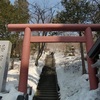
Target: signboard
5,50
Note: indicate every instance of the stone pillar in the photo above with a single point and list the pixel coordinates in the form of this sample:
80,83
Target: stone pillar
5,50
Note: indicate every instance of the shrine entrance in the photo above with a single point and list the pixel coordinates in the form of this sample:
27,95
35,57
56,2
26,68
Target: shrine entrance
28,28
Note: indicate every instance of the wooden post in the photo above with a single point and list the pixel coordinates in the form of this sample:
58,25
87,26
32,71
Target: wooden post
92,71
25,61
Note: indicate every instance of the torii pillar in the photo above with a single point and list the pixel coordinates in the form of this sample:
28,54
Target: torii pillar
91,71
23,79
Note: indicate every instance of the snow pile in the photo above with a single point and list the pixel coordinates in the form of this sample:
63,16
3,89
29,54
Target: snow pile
73,85
12,95
13,77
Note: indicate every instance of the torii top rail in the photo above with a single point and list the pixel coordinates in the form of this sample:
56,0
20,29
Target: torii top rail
27,28
54,27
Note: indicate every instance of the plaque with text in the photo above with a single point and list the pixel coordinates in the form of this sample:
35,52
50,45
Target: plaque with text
5,50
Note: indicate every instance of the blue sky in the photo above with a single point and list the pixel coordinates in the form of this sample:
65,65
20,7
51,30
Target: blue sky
50,2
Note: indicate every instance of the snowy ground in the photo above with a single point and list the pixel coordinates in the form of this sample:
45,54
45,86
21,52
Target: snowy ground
73,85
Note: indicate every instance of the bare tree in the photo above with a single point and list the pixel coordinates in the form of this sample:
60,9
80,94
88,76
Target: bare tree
41,14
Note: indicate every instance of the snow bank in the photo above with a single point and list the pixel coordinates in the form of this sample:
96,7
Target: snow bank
13,78
73,85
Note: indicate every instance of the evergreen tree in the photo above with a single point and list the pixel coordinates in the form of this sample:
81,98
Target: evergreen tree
95,16
75,11
22,11
12,14
6,14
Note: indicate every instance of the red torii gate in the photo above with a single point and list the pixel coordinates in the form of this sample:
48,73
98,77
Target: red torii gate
27,28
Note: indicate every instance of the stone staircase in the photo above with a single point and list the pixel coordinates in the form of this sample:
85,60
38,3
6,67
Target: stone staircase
47,88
